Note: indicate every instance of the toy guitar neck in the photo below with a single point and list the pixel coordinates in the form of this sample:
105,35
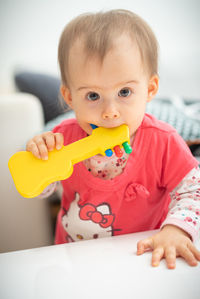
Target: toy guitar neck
32,175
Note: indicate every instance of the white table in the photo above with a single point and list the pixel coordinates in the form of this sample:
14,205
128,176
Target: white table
96,269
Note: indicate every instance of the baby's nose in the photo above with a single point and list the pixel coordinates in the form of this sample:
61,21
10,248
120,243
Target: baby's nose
110,112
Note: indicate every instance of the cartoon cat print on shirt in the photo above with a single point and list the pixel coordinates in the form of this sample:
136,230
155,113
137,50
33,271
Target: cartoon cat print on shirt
85,222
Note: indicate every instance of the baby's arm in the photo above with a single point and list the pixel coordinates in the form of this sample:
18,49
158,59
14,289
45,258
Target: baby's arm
181,226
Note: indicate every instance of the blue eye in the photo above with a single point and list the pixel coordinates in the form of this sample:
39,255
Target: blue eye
125,92
93,96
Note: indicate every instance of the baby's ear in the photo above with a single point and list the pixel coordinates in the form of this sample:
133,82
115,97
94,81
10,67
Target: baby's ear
152,87
66,95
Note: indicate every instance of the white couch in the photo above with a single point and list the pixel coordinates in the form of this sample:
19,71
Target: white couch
24,223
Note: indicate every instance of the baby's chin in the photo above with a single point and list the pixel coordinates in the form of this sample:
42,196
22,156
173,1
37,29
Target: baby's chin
86,127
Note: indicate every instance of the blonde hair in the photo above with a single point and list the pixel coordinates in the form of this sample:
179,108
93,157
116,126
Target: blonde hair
98,31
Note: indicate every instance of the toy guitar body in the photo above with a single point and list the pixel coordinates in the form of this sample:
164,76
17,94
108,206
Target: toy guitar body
31,175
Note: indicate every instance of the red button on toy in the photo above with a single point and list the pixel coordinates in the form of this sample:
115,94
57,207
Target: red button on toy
118,151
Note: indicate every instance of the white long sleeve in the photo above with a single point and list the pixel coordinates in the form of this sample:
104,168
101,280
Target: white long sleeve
48,190
184,209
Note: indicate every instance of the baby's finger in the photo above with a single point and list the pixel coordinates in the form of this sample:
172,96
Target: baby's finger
50,140
144,245
157,255
42,147
187,255
194,250
59,140
170,256
32,147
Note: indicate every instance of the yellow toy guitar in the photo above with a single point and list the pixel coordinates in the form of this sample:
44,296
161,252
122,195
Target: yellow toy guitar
32,175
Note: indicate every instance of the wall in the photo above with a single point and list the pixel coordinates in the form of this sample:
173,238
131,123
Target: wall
30,32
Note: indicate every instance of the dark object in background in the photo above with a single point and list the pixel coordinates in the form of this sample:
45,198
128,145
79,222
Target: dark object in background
46,88
195,149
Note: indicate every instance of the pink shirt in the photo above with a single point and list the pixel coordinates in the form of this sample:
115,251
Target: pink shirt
137,199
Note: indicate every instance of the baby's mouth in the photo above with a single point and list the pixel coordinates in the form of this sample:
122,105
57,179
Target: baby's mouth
117,149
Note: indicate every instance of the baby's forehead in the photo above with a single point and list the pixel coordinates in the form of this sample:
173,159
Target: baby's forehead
121,64
77,47
82,47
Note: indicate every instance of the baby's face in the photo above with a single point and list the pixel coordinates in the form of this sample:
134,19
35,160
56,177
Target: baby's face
112,93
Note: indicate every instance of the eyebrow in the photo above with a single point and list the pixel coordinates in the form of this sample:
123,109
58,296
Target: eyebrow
97,87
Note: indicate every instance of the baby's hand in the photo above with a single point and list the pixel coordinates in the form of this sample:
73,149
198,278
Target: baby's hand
41,144
170,243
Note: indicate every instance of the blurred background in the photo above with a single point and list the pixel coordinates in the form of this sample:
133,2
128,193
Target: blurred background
30,31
